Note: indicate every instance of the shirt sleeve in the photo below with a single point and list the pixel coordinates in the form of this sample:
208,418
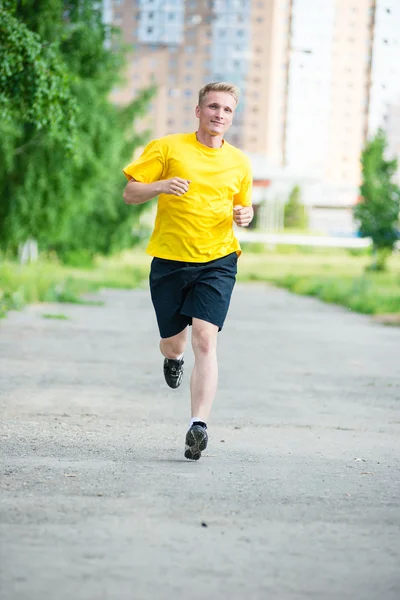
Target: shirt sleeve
243,197
149,166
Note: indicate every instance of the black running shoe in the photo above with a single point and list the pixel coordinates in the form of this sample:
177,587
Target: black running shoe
173,372
196,441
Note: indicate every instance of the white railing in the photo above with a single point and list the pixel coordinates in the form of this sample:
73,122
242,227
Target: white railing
304,240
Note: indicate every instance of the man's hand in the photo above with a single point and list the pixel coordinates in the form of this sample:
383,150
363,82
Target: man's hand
137,193
243,215
175,186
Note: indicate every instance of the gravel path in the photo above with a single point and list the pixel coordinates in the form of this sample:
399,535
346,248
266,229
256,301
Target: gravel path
296,497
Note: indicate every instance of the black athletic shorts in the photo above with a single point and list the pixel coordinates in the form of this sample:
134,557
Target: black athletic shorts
181,291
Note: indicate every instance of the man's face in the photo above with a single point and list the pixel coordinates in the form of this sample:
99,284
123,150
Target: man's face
216,113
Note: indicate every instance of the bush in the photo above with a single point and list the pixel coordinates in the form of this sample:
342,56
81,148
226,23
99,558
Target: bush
295,215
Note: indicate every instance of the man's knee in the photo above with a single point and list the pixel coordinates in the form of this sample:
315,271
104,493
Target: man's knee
175,345
204,337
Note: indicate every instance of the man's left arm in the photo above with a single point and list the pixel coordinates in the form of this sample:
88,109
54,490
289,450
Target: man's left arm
243,212
243,215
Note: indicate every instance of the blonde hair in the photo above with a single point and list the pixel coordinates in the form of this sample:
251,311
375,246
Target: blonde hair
219,86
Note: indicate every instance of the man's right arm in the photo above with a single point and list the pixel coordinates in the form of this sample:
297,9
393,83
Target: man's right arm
138,193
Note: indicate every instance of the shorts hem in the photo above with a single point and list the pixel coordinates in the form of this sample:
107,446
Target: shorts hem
164,337
203,319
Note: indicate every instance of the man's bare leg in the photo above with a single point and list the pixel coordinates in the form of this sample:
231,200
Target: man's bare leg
174,346
203,383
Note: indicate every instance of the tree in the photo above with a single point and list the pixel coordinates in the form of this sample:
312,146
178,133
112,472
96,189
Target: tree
70,199
295,215
377,214
34,82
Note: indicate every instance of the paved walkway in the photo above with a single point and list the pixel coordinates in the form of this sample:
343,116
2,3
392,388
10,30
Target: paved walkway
297,496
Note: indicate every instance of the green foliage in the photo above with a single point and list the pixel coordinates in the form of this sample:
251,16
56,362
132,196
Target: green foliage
47,281
295,215
34,82
377,215
361,294
71,201
335,278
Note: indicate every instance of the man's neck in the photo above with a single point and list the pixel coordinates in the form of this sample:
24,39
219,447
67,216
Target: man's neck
211,141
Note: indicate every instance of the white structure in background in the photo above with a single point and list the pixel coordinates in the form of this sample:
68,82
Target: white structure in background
271,199
312,83
28,252
384,110
309,86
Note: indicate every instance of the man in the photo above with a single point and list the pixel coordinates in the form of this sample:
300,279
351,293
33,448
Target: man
203,184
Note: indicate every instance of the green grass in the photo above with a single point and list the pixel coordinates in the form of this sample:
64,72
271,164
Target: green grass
48,281
332,276
58,317
336,276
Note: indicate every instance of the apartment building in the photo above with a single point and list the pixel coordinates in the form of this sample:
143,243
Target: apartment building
316,78
384,95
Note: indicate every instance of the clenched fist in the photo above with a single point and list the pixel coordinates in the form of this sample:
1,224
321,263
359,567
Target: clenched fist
175,186
243,215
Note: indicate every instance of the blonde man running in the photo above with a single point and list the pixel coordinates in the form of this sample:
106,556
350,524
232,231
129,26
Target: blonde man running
203,184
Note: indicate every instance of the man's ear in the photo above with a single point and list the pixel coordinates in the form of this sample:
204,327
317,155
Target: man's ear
197,111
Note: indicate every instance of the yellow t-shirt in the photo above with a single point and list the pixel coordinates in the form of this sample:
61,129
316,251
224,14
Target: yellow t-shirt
198,226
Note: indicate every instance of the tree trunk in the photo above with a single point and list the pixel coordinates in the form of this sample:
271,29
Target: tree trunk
379,259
